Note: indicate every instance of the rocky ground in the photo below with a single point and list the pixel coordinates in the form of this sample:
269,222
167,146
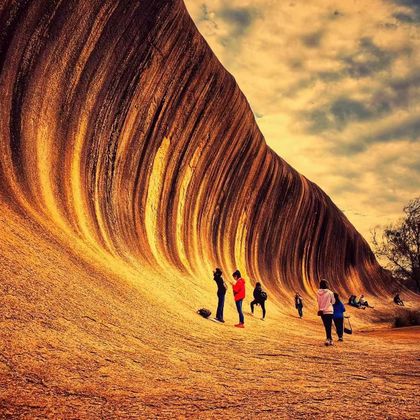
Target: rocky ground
77,341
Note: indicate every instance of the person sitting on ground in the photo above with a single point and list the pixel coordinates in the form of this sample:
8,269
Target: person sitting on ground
354,302
239,295
325,298
398,300
259,299
299,304
221,292
339,310
363,302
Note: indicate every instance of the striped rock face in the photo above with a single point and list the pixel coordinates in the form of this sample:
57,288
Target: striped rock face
121,129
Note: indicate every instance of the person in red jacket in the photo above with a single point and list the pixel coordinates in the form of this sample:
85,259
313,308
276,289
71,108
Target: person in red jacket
239,295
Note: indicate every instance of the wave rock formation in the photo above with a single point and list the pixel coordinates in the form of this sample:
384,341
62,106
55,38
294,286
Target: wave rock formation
121,128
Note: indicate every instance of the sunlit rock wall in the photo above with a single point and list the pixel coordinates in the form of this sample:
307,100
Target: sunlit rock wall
120,126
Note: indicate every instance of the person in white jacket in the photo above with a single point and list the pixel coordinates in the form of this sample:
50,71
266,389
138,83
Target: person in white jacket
326,301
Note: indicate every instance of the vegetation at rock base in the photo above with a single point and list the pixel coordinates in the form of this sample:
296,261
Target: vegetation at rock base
400,246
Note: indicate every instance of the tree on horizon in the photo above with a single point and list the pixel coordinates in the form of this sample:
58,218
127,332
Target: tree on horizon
400,246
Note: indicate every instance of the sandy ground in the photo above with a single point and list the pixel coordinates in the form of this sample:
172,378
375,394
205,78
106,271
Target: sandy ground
79,341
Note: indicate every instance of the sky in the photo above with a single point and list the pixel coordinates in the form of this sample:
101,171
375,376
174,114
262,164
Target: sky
335,89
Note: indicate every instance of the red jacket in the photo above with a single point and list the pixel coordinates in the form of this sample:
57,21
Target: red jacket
239,289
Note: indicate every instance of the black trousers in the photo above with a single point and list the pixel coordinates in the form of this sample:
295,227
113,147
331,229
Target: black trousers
327,320
220,305
261,303
300,310
339,325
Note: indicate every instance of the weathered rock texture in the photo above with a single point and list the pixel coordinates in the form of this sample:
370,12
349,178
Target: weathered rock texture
120,126
131,166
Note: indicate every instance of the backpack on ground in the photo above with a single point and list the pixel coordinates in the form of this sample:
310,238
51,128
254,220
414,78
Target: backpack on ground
205,313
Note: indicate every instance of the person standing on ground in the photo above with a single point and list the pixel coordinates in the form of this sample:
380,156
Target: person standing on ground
239,294
339,310
221,292
259,299
326,300
299,304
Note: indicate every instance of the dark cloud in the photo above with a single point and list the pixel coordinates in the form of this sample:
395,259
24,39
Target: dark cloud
205,14
367,59
296,64
329,76
337,114
398,93
241,18
388,26
350,149
405,18
403,84
385,199
318,121
345,110
409,130
410,13
415,166
406,131
346,185
312,40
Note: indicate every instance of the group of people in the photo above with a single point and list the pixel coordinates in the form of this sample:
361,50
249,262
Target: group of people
330,308
360,303
238,286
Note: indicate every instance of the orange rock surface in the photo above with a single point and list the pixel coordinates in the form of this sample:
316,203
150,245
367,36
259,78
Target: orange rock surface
131,167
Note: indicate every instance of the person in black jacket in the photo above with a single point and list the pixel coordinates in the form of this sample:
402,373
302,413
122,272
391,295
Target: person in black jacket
259,299
299,304
398,300
221,292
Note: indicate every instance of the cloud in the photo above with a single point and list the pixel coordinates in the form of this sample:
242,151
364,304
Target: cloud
239,21
335,88
410,12
313,39
387,98
367,59
341,112
240,18
407,130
